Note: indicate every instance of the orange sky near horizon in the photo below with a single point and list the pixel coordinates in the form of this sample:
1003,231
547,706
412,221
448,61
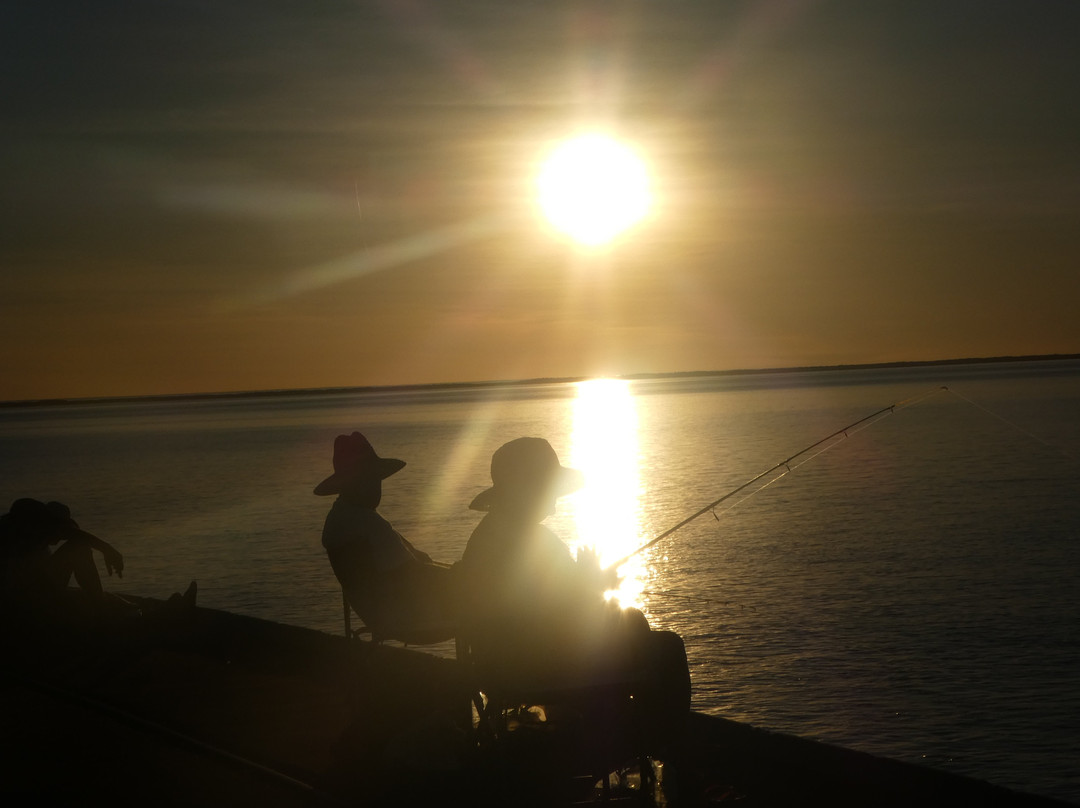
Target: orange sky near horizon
246,198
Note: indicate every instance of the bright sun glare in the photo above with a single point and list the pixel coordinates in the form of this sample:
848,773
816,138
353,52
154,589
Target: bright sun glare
592,188
604,446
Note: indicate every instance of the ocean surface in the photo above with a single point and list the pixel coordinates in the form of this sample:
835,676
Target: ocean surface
909,591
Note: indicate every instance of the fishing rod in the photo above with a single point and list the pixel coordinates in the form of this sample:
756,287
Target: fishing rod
842,434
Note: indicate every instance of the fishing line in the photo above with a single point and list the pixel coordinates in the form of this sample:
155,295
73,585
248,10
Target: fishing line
828,442
1016,426
789,467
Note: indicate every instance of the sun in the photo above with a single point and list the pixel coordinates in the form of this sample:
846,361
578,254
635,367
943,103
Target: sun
593,187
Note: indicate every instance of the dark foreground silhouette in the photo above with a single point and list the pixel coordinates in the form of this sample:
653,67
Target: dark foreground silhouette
222,709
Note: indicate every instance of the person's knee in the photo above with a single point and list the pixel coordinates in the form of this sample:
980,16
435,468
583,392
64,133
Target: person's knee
76,558
76,551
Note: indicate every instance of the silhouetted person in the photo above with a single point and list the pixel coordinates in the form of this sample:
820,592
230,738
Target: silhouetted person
34,574
396,589
533,614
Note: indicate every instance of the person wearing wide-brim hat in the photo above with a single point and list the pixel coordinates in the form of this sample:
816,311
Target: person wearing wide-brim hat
27,531
531,611
396,589
520,576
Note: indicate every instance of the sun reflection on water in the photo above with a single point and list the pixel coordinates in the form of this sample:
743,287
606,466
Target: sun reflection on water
607,511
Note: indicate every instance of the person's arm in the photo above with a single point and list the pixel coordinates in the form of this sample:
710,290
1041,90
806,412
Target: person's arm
113,559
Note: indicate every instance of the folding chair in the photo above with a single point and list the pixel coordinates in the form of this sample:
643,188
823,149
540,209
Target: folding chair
359,631
427,634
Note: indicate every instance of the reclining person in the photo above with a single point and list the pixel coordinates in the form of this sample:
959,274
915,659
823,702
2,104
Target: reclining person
398,591
34,574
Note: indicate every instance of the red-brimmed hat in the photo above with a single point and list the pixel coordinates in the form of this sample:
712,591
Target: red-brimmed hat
354,458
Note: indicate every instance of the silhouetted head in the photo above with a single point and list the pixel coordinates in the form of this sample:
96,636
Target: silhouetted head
357,469
526,475
37,520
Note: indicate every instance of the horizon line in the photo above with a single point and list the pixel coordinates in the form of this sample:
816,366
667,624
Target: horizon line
298,391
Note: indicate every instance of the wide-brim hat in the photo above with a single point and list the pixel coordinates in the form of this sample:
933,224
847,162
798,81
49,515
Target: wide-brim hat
526,468
37,518
355,459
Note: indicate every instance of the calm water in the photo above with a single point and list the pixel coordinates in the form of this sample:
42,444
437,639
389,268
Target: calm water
909,592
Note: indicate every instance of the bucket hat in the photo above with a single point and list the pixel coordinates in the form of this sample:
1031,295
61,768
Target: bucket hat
354,458
525,468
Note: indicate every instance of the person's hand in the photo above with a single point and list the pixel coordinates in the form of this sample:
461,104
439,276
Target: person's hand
588,557
589,562
113,561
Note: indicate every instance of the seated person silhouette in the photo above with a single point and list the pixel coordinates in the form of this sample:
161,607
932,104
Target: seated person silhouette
35,575
397,590
536,618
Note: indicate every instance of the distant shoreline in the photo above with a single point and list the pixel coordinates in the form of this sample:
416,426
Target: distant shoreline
482,385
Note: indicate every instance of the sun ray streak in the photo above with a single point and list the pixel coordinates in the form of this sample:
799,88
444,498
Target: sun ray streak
376,259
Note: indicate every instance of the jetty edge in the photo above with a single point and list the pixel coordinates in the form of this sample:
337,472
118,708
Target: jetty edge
202,707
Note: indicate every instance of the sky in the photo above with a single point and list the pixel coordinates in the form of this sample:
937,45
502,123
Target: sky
225,195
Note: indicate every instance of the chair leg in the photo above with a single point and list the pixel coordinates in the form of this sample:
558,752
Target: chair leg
348,615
